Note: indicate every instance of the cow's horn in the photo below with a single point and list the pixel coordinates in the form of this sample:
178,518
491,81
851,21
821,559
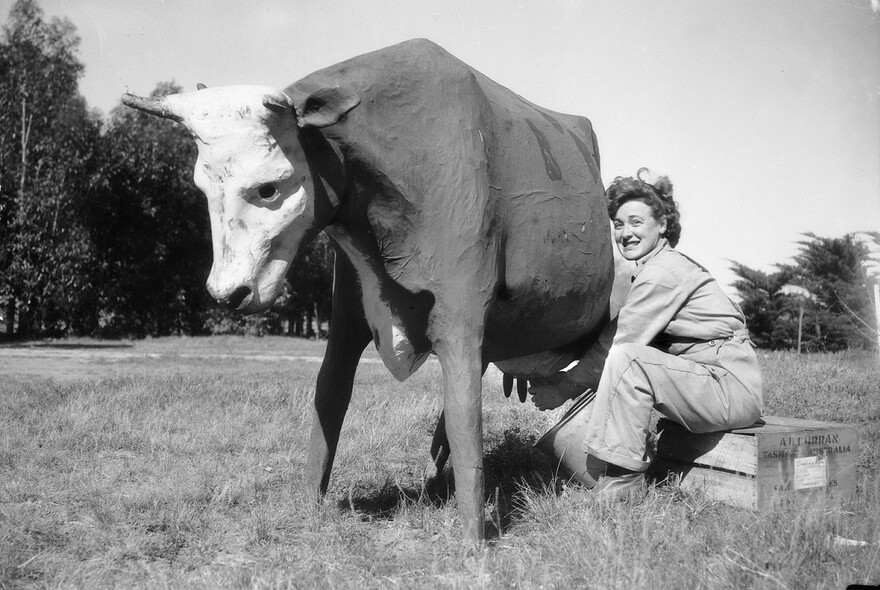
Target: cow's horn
278,103
153,105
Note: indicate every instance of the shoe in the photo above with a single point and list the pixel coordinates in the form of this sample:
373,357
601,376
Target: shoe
596,469
619,484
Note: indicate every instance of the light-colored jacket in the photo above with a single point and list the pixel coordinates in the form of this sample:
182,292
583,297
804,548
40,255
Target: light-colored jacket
676,306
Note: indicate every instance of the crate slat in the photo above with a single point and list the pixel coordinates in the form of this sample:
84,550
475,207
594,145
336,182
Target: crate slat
722,486
722,450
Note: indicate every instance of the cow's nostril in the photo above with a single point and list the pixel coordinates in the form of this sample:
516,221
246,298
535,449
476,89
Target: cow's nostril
238,296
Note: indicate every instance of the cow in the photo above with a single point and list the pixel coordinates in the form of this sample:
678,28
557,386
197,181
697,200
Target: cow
468,223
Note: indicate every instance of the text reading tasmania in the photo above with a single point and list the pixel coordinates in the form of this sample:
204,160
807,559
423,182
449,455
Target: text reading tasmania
467,221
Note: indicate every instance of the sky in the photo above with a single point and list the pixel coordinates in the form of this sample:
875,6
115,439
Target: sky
764,114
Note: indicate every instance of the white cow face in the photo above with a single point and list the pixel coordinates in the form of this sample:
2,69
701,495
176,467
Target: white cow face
253,171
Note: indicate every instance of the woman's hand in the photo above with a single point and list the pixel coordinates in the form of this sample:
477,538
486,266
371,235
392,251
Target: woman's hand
552,392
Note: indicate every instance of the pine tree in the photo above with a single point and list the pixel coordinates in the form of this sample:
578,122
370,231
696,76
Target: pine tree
822,301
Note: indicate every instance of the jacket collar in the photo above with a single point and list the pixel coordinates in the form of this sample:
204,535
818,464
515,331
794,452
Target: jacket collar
663,244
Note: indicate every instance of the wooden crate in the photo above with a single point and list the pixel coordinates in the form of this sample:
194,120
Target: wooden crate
778,461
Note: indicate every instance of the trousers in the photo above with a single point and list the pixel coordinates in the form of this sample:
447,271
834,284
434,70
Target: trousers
705,387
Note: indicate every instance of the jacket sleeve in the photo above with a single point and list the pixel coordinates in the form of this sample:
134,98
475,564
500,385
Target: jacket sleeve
588,370
654,300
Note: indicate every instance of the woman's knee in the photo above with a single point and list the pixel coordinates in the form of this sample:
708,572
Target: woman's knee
623,354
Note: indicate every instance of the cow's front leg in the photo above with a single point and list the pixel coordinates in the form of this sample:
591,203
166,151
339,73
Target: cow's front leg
349,335
440,442
459,356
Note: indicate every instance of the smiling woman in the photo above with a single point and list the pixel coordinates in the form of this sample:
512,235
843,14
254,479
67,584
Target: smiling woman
680,346
642,214
637,230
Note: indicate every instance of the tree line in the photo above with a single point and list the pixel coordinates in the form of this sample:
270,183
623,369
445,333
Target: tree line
102,232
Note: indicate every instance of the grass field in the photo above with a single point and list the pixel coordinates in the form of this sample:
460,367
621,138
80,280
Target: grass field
177,463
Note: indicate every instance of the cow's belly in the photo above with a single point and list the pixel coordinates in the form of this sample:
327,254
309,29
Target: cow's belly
555,272
542,364
532,320
520,330
559,291
546,315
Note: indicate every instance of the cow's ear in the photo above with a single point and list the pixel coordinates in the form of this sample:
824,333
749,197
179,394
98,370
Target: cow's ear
325,107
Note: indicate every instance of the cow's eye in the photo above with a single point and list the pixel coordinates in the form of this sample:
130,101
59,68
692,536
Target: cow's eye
267,191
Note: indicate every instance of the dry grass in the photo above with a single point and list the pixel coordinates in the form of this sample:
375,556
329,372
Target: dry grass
182,469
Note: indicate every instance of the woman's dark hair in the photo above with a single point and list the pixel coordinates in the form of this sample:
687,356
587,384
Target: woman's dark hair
657,196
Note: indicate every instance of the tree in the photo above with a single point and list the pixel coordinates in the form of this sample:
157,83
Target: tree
830,268
768,307
309,288
825,293
870,244
150,225
47,147
101,229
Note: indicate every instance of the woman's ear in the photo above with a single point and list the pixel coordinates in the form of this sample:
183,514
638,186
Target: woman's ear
663,226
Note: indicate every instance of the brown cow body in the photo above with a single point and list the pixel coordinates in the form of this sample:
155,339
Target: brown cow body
469,223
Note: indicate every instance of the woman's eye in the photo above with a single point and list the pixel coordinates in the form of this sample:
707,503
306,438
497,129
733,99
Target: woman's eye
266,192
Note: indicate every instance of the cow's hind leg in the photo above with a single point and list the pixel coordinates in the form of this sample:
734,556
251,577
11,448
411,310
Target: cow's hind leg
439,450
349,335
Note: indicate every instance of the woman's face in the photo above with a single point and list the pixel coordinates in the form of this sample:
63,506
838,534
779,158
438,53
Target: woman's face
636,231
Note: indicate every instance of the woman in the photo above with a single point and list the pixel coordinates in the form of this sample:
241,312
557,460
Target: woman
681,346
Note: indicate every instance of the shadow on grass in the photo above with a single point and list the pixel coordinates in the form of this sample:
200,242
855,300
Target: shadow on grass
514,467
511,466
383,503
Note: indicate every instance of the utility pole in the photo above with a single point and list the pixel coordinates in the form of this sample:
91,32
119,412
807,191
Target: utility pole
872,272
800,322
877,307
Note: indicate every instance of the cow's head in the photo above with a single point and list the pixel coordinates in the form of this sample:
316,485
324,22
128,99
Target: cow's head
252,167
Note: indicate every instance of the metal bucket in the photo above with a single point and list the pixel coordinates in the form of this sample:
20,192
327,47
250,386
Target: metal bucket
565,443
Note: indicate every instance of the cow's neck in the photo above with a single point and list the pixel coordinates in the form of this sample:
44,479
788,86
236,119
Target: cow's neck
328,172
396,316
366,228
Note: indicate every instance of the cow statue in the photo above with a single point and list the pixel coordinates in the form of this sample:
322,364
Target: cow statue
467,222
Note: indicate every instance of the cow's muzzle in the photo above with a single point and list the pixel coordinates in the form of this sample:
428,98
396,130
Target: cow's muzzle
238,299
